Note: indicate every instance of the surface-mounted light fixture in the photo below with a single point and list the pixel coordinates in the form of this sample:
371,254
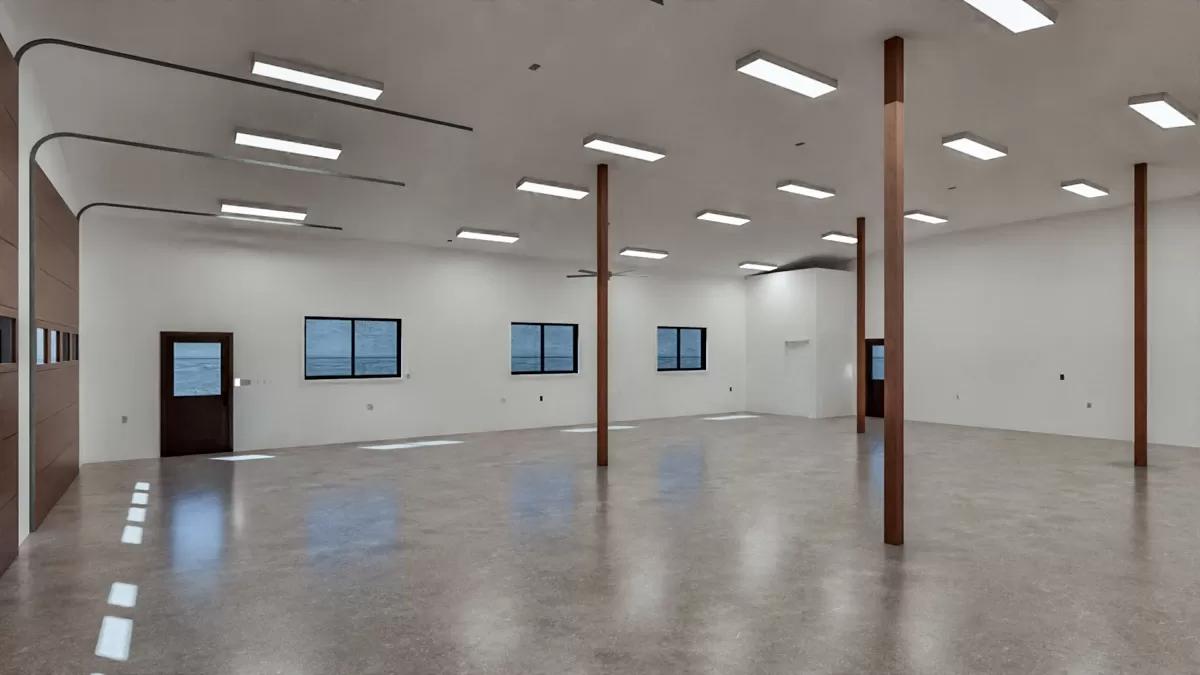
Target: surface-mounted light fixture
263,210
617,146
783,73
552,188
758,266
925,217
975,146
269,140
317,78
722,217
643,253
840,237
1163,110
1017,15
1085,188
805,189
488,235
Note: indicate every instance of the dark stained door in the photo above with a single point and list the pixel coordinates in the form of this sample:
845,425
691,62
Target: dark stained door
196,393
875,371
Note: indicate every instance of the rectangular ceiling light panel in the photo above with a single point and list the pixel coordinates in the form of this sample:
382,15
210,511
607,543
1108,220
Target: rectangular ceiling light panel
268,140
1017,15
840,237
488,235
552,188
643,253
975,146
317,78
1163,110
783,73
805,189
1085,188
758,266
925,217
617,146
263,211
723,218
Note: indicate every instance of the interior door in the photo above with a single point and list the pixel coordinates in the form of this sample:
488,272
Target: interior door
875,372
196,393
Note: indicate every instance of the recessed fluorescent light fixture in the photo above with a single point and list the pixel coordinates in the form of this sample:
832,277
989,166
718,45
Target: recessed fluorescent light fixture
975,146
547,187
925,217
840,237
805,189
783,73
643,253
723,218
1085,188
317,78
1017,15
268,140
263,210
1163,110
758,266
617,146
269,221
488,235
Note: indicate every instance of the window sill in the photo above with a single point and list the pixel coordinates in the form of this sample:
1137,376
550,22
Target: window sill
381,379
524,375
682,371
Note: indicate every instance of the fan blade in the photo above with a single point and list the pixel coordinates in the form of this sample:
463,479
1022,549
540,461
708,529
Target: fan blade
580,276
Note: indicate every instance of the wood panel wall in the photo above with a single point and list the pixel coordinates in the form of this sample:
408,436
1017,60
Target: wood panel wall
9,504
56,385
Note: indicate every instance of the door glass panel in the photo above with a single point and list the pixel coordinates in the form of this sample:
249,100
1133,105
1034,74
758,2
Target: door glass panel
41,345
197,369
560,348
375,349
53,347
876,362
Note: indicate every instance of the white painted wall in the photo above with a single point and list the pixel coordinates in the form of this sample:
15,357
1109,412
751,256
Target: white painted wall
993,316
143,276
800,343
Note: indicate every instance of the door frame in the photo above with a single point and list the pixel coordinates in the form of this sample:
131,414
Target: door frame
166,366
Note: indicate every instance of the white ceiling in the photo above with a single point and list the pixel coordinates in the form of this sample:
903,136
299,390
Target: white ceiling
662,75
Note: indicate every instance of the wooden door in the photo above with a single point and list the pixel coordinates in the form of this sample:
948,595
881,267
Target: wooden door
196,393
875,373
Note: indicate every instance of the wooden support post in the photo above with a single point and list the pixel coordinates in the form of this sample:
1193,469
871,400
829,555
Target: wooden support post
893,289
602,315
1140,361
861,333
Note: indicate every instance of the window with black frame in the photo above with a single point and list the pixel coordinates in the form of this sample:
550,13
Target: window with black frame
338,348
682,348
544,348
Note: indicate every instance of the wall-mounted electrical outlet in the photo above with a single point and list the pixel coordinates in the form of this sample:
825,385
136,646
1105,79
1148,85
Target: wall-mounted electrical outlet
370,406
1062,376
1089,404
124,419
541,398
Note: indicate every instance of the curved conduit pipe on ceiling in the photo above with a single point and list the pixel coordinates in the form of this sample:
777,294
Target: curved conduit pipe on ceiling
183,212
31,329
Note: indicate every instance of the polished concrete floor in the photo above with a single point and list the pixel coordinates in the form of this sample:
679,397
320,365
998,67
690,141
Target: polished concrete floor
744,546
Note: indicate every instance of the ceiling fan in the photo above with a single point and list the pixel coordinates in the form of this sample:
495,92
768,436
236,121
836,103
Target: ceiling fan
584,274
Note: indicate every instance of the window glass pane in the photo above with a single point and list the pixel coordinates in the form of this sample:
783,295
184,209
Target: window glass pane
876,362
560,348
667,348
8,339
197,369
41,345
327,348
526,348
53,347
691,348
375,351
